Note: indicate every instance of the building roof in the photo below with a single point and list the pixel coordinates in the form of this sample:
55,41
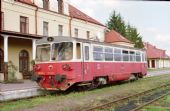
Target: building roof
29,2
76,13
113,36
153,52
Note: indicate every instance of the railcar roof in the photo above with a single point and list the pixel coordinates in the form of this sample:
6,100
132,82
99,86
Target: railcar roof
71,39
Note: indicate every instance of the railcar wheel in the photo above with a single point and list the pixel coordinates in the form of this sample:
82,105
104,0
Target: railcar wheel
133,78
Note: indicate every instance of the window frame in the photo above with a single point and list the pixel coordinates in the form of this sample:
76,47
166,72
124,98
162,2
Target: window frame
76,32
99,52
60,30
121,59
2,61
45,28
46,4
109,53
88,34
23,58
125,54
60,6
2,20
24,26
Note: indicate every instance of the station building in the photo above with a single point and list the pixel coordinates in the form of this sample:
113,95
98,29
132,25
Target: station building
114,37
25,21
156,58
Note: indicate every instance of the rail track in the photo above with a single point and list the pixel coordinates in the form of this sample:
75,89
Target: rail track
133,102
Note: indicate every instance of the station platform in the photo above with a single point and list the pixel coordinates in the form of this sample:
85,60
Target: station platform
13,91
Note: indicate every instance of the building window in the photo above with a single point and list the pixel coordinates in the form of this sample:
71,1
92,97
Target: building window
46,4
88,34
1,60
23,24
45,28
60,30
76,31
60,6
2,18
23,61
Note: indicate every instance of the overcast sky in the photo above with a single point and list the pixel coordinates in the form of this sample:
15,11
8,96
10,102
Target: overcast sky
152,19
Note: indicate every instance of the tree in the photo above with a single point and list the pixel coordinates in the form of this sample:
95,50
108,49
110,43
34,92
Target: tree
130,32
117,24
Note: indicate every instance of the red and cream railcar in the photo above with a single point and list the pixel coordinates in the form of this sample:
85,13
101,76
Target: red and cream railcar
65,61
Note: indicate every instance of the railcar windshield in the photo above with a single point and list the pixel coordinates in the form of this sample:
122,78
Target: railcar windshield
43,53
62,51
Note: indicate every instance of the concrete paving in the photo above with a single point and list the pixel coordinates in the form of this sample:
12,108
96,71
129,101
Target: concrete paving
18,90
157,73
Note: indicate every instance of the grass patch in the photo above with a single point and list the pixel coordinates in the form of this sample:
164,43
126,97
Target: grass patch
167,99
114,90
8,106
155,108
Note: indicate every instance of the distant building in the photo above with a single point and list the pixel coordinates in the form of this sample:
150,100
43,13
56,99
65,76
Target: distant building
156,58
25,21
114,37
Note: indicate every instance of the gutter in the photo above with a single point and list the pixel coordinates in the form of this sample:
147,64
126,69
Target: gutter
36,19
70,20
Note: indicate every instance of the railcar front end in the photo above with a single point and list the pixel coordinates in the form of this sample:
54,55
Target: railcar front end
55,68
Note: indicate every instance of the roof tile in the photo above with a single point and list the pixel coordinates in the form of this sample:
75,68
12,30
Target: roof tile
113,36
153,52
76,13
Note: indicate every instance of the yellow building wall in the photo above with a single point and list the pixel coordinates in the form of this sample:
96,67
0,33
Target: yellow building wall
13,11
15,45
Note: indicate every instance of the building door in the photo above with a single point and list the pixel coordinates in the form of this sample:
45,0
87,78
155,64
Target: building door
153,63
24,62
1,60
148,62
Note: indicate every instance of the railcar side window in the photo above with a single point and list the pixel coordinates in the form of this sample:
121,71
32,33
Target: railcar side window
117,54
108,54
138,57
62,51
143,57
43,53
86,52
125,55
132,56
78,47
98,53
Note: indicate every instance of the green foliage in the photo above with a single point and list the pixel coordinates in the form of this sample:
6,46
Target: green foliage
12,69
168,99
117,23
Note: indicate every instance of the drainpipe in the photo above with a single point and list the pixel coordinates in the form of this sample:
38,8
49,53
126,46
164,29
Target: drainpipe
70,20
36,32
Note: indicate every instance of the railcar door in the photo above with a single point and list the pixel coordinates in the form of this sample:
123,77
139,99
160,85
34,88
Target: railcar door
87,65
